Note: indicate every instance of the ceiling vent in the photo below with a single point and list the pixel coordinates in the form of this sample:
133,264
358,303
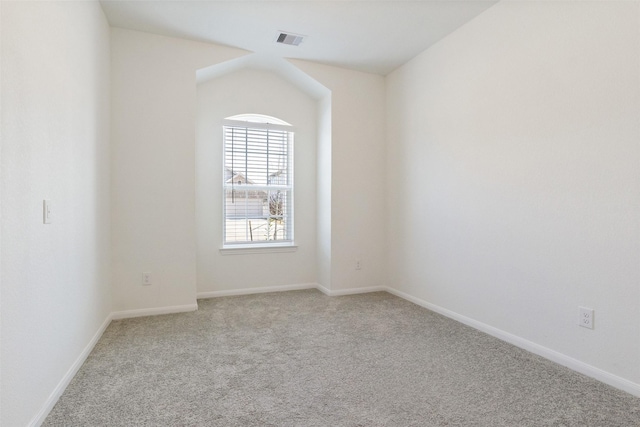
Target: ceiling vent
289,38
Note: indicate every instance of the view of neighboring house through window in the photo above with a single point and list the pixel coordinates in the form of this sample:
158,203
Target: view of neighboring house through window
258,181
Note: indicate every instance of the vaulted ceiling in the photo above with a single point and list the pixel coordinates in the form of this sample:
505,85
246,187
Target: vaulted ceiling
371,36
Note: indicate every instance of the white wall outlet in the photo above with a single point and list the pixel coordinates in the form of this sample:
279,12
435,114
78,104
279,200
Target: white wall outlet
46,211
586,317
146,278
358,264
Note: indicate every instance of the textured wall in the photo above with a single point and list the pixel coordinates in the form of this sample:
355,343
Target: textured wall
324,178
153,150
514,187
358,177
55,145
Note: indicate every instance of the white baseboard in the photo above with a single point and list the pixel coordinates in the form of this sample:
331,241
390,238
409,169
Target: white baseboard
39,418
323,289
329,292
249,291
561,359
51,401
352,291
547,353
127,314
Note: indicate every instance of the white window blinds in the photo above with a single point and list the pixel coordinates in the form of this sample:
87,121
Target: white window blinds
258,184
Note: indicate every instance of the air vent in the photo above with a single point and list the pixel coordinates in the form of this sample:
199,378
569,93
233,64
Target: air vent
289,38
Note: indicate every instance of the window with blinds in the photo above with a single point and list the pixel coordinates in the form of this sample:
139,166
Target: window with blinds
258,182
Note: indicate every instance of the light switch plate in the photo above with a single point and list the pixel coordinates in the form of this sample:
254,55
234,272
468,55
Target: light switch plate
46,211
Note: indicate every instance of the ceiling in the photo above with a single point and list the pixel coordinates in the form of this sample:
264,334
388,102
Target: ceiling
373,36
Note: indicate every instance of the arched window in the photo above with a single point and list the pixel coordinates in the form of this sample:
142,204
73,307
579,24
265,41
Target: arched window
257,181
258,118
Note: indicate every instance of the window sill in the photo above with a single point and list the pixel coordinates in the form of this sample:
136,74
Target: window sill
257,249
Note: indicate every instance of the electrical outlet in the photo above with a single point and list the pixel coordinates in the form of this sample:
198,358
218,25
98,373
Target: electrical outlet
146,278
586,317
358,264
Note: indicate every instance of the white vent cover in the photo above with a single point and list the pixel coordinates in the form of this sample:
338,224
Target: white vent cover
289,38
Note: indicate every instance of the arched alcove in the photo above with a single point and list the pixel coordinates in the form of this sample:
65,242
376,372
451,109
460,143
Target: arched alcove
278,92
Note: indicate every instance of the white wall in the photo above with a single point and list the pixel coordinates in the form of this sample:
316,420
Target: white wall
153,150
358,223
512,180
1,275
514,186
261,92
323,194
55,145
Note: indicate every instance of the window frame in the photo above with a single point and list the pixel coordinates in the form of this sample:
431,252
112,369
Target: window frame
262,246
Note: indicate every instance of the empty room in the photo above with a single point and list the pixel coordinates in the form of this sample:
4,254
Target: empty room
320,213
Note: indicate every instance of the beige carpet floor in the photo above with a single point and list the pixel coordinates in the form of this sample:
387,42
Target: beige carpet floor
304,359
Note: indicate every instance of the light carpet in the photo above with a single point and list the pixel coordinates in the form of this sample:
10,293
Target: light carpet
301,358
